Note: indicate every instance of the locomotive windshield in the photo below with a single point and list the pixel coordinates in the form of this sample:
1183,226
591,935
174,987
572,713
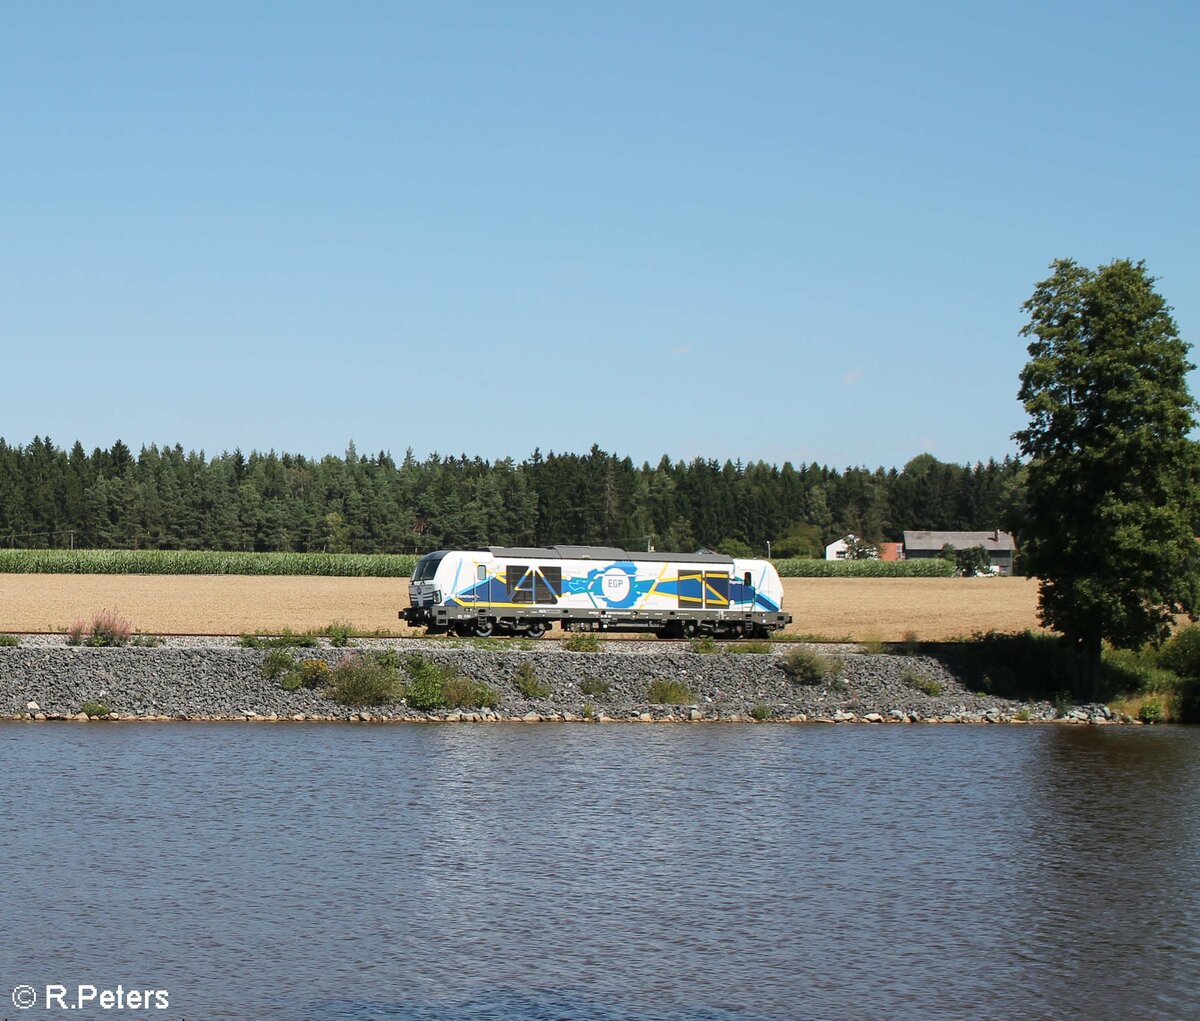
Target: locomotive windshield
427,566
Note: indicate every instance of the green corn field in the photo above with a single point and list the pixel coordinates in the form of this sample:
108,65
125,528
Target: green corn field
87,561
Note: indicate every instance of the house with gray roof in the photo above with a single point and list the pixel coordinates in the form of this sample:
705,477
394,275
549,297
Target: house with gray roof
1000,546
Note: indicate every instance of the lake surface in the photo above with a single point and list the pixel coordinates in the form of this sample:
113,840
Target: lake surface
459,873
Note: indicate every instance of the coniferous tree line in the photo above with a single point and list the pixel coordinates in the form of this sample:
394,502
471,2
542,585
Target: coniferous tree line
164,498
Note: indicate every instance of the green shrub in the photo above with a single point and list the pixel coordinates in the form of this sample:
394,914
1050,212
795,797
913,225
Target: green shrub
75,633
805,666
1151,712
434,686
292,681
1023,714
705,646
750,648
588,711
425,683
1181,653
581,641
526,682
8,641
760,711
920,682
365,680
339,634
278,663
664,692
95,708
594,687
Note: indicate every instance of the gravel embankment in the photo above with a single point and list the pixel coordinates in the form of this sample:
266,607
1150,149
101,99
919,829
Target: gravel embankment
205,679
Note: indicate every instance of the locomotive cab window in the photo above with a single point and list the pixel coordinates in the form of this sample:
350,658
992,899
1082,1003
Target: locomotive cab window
427,567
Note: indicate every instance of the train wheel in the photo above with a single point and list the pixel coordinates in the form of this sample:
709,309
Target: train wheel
483,629
536,629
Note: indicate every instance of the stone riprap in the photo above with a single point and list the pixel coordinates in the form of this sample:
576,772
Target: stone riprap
206,679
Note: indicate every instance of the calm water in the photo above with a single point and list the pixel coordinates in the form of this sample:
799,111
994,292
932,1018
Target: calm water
676,873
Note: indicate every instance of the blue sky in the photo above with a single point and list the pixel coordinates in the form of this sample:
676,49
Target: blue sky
755,230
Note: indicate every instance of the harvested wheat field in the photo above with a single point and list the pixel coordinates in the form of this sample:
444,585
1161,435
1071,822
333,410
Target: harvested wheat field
855,608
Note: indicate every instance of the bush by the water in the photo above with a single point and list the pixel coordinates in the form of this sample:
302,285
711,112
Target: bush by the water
804,568
366,679
594,687
805,666
760,711
439,686
95,708
1043,666
665,692
526,682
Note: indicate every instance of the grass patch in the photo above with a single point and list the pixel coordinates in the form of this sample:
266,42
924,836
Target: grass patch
581,641
9,641
664,692
588,711
107,629
873,645
526,682
705,646
147,641
95,709
749,648
805,666
286,640
594,687
910,645
760,711
919,682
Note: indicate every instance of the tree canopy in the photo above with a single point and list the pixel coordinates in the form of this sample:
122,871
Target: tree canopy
1111,493
164,498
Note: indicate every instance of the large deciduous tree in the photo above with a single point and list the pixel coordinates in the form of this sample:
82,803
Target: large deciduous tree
1112,488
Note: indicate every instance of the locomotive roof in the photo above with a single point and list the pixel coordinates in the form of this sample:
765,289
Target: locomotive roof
603,553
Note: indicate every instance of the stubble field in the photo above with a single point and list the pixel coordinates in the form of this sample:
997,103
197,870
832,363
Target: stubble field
887,609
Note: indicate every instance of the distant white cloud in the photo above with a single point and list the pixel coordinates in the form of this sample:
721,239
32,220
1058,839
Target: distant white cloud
681,350
852,377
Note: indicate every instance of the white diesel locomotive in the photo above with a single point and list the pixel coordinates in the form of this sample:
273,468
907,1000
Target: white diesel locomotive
593,588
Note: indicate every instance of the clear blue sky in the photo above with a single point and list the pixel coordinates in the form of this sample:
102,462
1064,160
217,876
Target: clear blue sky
756,230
